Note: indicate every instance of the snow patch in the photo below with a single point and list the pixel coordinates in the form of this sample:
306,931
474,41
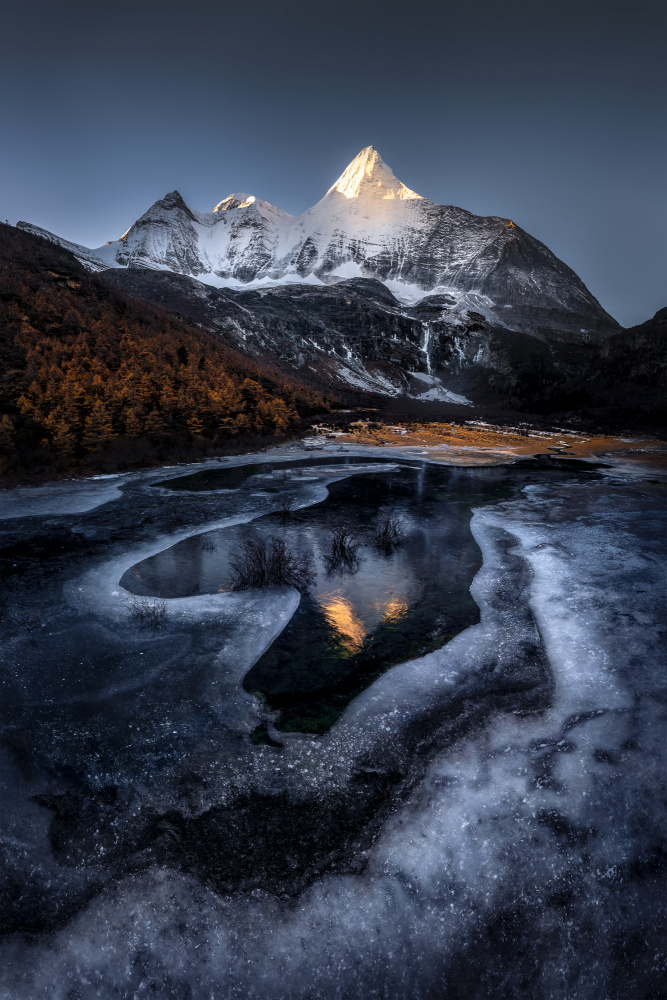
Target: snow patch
436,391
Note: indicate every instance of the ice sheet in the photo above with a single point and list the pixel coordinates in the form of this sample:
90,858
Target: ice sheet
519,853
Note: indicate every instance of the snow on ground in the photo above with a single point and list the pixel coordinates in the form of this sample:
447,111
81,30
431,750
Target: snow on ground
78,496
260,283
436,390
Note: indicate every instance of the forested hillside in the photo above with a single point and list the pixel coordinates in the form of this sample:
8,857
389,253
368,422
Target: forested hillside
93,379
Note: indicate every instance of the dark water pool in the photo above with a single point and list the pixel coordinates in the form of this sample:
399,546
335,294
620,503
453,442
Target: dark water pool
232,477
356,620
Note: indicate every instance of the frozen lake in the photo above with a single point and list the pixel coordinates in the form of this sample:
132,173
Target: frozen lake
370,608
439,771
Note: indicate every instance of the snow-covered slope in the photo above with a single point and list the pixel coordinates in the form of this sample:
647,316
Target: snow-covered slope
94,260
368,224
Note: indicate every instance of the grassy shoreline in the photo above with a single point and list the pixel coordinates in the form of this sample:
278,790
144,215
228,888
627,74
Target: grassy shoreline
466,444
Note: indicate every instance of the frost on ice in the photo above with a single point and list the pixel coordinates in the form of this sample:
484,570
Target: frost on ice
486,821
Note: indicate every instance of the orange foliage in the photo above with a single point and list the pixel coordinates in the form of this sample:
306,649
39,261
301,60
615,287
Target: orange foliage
83,365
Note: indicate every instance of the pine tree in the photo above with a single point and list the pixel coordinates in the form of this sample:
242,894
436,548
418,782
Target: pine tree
133,422
195,426
64,440
6,435
154,425
98,429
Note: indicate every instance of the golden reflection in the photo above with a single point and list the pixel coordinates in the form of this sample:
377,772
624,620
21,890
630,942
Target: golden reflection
394,610
339,613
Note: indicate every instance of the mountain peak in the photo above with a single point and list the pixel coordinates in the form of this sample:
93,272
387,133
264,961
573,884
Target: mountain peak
369,175
174,199
236,200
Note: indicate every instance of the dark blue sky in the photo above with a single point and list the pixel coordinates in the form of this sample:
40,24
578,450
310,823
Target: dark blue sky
551,113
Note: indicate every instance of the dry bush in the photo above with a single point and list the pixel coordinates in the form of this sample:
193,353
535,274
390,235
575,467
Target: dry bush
146,611
271,564
343,549
388,533
286,508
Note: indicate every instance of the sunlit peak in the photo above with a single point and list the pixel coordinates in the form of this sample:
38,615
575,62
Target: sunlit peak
370,175
234,201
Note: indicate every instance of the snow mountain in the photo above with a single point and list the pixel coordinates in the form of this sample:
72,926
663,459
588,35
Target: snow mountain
367,225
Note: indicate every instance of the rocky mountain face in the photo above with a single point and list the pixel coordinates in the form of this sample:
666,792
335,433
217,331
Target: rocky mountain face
353,336
367,225
356,337
373,290
624,382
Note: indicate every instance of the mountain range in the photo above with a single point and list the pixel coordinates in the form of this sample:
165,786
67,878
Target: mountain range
374,289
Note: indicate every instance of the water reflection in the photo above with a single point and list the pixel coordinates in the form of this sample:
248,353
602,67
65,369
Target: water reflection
345,622
388,607
354,614
235,476
394,610
361,616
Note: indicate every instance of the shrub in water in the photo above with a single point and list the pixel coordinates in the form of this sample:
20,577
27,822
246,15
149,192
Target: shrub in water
343,548
271,564
146,611
388,534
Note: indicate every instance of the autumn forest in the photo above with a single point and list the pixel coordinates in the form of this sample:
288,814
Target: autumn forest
93,379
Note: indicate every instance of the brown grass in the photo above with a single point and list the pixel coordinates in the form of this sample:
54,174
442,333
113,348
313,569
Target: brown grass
484,444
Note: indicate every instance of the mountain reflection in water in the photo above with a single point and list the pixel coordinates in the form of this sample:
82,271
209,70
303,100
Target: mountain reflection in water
358,619
340,614
353,622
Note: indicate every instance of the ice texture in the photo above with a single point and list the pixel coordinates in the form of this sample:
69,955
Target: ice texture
26,501
492,816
